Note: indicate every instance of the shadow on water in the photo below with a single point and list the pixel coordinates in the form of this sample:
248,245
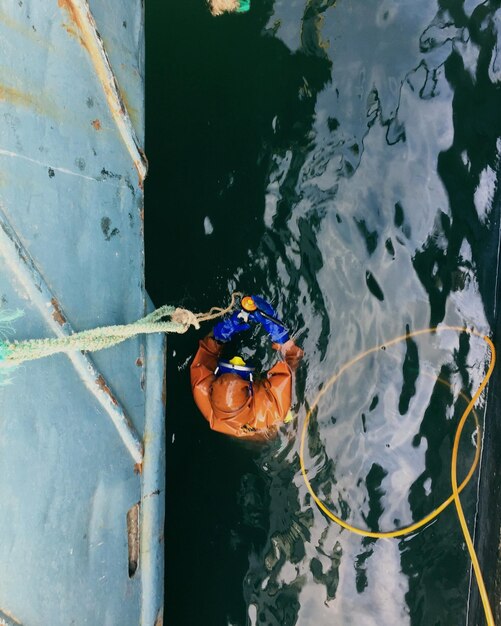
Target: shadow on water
343,161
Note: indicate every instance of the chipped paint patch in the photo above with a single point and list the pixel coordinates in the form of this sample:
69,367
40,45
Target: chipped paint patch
108,232
101,383
105,174
57,314
133,538
160,618
96,124
133,113
164,387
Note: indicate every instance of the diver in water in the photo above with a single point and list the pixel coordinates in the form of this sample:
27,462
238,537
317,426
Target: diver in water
225,391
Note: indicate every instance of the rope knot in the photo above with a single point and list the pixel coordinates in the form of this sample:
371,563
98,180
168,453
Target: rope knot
13,353
185,318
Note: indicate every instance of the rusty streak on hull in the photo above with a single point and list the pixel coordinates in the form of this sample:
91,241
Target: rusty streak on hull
81,18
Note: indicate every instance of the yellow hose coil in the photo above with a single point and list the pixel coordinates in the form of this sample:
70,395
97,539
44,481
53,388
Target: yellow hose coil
456,490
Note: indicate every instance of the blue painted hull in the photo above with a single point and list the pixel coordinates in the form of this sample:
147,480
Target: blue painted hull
81,435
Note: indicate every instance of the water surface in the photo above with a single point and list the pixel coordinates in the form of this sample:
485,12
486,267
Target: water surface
341,159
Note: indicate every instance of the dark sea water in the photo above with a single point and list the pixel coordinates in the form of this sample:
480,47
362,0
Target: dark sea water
341,159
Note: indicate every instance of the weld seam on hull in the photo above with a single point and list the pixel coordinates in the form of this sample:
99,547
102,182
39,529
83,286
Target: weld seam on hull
24,268
153,484
99,57
6,620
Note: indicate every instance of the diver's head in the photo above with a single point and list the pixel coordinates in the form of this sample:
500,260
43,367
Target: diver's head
230,392
236,365
233,385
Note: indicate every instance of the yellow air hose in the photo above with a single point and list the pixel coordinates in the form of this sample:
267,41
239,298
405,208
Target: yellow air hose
455,489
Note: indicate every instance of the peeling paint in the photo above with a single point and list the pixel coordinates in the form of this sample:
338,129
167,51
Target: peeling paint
101,383
133,113
133,538
160,618
105,175
108,232
153,493
97,124
57,314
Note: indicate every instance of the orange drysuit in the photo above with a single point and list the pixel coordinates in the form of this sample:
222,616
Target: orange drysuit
226,401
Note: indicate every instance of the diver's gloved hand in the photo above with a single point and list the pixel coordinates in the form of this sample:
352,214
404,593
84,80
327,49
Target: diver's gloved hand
278,333
224,330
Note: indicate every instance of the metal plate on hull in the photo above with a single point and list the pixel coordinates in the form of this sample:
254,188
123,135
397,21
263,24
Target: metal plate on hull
81,436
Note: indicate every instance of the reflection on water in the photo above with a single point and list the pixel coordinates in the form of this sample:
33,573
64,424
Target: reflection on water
346,159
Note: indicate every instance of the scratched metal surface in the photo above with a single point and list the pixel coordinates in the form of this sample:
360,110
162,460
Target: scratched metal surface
74,431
